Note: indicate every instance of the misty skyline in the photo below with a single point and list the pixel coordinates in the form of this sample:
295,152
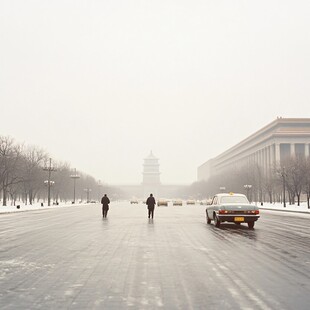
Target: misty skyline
102,83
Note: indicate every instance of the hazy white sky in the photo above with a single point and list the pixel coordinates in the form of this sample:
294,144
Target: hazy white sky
101,83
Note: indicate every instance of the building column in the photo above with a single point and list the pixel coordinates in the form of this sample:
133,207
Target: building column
259,163
264,161
277,151
292,149
268,161
248,161
272,159
258,158
306,150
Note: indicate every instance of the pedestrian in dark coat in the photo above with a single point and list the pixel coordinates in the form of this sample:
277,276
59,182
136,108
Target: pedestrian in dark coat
105,205
151,205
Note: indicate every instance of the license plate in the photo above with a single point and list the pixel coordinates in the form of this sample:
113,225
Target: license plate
239,219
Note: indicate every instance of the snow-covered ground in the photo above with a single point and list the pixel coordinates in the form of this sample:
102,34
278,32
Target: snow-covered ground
279,206
274,206
36,206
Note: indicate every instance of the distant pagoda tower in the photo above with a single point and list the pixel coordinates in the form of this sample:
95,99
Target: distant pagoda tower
151,175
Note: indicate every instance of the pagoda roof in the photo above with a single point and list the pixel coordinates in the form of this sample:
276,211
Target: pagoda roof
151,156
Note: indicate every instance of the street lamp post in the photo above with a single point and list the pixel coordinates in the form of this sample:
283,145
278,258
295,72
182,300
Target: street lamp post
74,177
87,190
49,169
247,187
49,183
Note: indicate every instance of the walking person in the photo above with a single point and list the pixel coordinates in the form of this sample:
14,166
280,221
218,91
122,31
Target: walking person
151,205
105,205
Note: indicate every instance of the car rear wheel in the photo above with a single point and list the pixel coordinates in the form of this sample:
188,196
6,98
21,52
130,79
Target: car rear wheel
217,221
251,224
208,219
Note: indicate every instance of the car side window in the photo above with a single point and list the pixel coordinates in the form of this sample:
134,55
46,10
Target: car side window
214,202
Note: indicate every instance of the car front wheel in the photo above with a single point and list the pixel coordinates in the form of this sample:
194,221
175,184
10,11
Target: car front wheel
251,224
208,219
217,221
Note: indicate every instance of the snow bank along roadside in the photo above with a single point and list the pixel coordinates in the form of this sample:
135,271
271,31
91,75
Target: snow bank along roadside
289,208
37,206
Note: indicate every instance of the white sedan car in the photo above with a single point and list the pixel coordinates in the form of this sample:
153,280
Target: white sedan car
233,208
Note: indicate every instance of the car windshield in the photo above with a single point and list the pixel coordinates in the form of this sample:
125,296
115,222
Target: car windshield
234,199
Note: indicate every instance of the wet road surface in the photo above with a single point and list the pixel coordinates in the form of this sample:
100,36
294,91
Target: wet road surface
71,258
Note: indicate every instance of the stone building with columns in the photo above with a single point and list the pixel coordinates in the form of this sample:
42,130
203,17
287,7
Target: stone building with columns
271,145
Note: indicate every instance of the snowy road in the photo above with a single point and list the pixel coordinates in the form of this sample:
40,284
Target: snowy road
70,258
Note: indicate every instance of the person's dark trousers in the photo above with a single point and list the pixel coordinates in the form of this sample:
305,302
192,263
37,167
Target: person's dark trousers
151,212
104,212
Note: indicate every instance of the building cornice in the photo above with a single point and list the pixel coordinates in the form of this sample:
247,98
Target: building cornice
262,135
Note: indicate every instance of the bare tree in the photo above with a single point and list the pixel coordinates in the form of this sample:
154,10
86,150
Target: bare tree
22,176
295,175
306,185
34,158
62,187
10,165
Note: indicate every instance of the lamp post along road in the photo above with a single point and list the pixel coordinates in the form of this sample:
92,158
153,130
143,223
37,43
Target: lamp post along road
74,177
49,169
49,183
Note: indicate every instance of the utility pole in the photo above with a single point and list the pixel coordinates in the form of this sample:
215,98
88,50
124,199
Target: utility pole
74,177
49,169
